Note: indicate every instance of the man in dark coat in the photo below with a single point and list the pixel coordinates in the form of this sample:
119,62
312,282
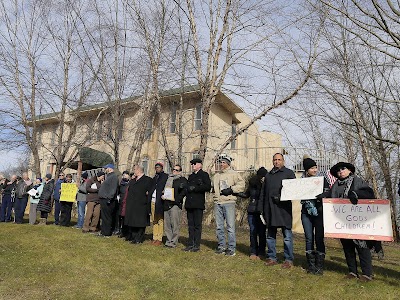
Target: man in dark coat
157,209
137,209
276,213
198,184
44,205
108,196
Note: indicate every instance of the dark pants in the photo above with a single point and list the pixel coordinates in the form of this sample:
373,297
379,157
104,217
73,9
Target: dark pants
44,215
57,209
115,218
349,248
106,208
195,219
136,234
258,235
6,208
65,215
313,231
19,208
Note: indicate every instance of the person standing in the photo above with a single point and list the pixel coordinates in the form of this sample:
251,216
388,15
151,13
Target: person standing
21,199
353,188
65,206
199,184
227,182
173,207
278,214
34,200
157,209
313,223
107,195
44,205
122,189
56,198
8,198
81,200
258,230
137,206
92,216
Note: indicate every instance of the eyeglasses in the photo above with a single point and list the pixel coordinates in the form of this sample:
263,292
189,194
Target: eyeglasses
342,168
61,175
176,170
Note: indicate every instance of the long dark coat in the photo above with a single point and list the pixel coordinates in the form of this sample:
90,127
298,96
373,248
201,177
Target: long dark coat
137,210
277,213
202,184
159,181
44,204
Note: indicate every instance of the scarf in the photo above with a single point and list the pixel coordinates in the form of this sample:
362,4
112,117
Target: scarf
171,179
348,182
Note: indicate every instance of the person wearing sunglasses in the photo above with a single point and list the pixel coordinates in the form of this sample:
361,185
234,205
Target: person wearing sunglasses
172,201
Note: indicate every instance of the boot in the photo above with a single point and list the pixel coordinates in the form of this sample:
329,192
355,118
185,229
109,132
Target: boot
42,221
319,263
311,262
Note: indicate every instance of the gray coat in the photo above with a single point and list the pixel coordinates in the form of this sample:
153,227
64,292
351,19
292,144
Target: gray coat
277,213
108,189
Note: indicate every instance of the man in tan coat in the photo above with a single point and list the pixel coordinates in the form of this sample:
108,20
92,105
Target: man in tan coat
227,183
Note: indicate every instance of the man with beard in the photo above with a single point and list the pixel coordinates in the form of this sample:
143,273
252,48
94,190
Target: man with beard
137,206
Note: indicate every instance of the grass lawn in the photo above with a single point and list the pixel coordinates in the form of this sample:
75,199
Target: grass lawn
52,262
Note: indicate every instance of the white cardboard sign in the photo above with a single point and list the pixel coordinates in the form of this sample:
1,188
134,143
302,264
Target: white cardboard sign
302,188
368,220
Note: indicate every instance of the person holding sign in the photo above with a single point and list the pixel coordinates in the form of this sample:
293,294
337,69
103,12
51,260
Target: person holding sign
66,204
174,192
353,188
313,223
278,214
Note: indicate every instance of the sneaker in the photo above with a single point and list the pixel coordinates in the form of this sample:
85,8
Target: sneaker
102,235
220,251
195,249
157,243
254,257
365,278
287,264
271,262
380,254
230,253
351,275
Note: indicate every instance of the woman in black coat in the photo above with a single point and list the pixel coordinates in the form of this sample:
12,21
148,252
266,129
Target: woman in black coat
44,205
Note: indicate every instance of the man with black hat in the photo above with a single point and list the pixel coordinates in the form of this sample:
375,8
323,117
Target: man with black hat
198,184
157,206
276,213
353,188
107,195
227,182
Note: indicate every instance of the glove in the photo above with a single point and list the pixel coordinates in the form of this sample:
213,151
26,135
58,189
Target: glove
320,196
181,186
276,199
353,197
242,195
191,188
227,192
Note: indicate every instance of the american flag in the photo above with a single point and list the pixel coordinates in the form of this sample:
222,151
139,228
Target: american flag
331,179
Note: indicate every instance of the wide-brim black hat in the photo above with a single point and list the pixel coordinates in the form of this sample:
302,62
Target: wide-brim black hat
195,161
335,169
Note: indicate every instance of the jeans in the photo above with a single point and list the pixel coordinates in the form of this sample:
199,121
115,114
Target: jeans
57,209
313,231
287,243
225,212
258,235
6,208
81,213
19,208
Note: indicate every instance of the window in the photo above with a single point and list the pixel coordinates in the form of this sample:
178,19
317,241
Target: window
149,128
198,117
246,140
233,144
99,128
53,136
172,122
196,154
39,131
120,127
145,165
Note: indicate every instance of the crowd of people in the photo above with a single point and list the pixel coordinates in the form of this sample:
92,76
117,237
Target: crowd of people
107,205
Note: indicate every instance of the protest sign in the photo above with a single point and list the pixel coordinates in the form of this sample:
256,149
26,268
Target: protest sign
302,188
368,220
68,192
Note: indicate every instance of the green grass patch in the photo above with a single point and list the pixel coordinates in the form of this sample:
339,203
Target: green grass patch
52,262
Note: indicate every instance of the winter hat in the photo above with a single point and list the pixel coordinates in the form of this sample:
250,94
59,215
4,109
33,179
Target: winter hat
40,179
225,158
308,163
262,172
159,164
100,173
48,176
85,175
